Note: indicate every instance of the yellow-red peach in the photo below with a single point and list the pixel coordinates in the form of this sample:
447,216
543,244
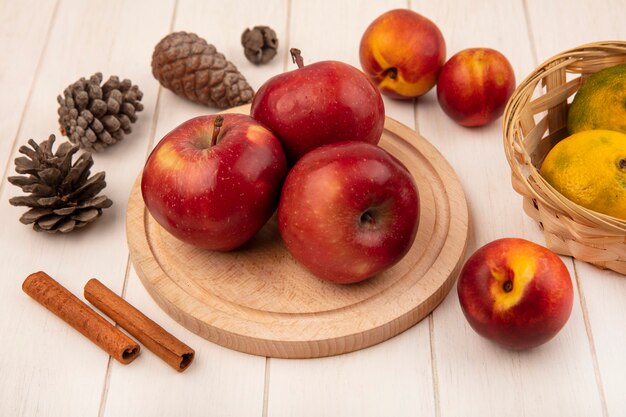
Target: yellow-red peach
475,85
516,293
402,52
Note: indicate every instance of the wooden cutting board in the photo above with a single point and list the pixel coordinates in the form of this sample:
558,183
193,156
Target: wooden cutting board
258,300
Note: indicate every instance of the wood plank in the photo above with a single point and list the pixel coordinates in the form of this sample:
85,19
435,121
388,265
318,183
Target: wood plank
556,29
22,51
395,377
558,377
55,370
220,381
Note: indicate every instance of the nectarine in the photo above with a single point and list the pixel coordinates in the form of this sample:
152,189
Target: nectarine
475,85
402,52
516,293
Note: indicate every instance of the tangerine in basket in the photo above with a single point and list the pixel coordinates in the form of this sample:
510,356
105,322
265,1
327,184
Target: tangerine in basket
589,169
601,102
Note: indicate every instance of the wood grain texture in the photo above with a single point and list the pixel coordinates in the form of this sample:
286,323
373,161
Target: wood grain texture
28,45
556,378
259,300
377,381
49,377
220,382
603,292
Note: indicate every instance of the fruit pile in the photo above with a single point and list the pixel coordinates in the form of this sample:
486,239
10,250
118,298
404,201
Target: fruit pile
517,293
589,166
346,208
404,54
512,291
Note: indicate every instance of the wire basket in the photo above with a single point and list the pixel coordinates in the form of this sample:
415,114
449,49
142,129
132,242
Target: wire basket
535,120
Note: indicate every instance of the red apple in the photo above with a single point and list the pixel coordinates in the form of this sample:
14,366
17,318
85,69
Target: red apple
348,211
516,293
214,181
475,85
402,52
318,104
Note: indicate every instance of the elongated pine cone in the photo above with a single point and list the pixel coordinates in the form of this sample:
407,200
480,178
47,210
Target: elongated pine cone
192,68
95,116
63,196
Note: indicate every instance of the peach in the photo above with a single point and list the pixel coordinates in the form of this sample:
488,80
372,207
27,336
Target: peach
402,52
475,85
516,293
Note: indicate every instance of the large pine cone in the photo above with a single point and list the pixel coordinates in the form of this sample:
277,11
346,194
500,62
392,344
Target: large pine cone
192,68
95,116
63,196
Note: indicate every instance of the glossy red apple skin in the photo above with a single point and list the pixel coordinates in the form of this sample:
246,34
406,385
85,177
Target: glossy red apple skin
348,211
214,197
318,104
475,85
402,52
516,293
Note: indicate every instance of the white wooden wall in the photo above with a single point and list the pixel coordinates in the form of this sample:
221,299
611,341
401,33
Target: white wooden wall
440,367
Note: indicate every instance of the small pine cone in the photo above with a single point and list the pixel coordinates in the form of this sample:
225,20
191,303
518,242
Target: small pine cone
259,44
96,116
192,68
63,196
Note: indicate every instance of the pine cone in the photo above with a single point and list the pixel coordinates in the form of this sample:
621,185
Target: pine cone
62,194
95,116
259,44
192,68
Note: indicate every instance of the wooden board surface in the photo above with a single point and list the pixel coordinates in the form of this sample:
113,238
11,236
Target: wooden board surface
259,300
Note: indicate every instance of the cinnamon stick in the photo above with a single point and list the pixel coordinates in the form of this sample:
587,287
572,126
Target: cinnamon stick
174,352
80,316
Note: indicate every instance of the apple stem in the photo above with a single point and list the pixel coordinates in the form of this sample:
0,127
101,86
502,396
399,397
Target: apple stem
507,286
622,163
219,120
296,57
